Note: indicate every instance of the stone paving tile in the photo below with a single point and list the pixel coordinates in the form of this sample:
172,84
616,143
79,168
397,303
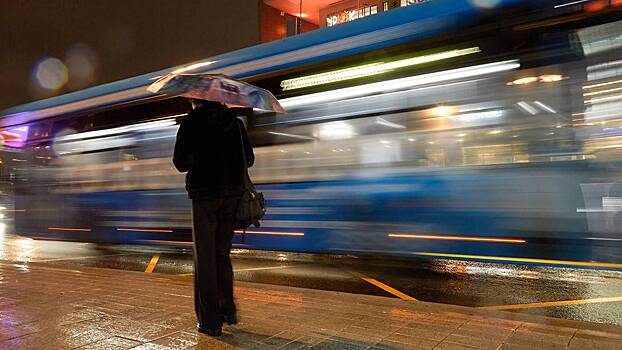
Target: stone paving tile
540,339
415,341
579,343
114,343
426,332
338,343
391,345
453,346
100,309
475,330
477,343
305,342
596,334
178,340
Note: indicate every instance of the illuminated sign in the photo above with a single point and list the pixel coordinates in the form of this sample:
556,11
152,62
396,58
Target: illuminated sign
350,15
14,137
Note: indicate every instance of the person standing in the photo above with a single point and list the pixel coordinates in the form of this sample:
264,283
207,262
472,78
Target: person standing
209,147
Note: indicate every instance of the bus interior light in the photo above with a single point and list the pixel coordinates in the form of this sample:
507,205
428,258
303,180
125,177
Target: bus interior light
371,69
400,84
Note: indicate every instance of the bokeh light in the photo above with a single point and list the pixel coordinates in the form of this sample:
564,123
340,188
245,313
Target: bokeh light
487,4
81,61
51,73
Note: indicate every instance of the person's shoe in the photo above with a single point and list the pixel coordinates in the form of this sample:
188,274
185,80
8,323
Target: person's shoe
212,332
231,318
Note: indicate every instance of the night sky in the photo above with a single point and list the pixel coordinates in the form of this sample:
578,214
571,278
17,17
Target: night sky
100,41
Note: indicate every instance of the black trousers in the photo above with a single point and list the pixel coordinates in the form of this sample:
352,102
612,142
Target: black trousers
212,231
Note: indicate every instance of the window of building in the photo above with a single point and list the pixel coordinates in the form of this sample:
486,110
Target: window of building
290,25
385,6
350,15
404,3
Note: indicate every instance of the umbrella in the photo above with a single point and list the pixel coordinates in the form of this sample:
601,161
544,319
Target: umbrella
217,88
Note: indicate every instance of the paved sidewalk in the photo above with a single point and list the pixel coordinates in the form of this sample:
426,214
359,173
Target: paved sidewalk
42,307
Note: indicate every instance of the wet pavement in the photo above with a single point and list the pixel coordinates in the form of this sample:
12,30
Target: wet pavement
43,306
577,294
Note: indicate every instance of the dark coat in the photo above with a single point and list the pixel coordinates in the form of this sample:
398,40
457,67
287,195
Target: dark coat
208,147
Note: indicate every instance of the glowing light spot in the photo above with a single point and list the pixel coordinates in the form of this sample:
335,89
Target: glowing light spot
523,81
81,62
336,131
487,4
442,111
551,78
51,73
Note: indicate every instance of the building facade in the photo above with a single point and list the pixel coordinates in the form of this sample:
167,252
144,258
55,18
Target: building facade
283,18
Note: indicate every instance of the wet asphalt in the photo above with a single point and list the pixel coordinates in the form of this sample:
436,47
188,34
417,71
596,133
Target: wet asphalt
568,293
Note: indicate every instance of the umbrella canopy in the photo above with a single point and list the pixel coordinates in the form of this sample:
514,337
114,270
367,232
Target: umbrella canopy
217,88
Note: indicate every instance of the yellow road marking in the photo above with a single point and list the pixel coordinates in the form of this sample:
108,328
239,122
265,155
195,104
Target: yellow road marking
152,264
526,260
552,303
389,289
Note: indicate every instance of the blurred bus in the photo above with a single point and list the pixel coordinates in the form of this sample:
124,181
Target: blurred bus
484,130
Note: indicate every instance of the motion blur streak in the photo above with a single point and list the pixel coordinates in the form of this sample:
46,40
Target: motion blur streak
523,260
399,84
69,229
457,238
370,69
270,233
602,84
571,3
143,230
160,242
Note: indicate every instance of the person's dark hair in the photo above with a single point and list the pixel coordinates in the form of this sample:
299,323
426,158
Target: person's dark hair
206,104
211,104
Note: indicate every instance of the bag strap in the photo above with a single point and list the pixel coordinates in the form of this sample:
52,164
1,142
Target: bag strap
242,143
244,160
245,177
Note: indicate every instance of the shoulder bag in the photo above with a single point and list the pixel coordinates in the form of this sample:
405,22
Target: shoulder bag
252,205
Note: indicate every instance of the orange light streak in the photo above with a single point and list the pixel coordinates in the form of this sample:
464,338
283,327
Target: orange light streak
274,233
458,238
69,229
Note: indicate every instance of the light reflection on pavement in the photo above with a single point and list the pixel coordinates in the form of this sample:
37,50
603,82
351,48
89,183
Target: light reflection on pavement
440,280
